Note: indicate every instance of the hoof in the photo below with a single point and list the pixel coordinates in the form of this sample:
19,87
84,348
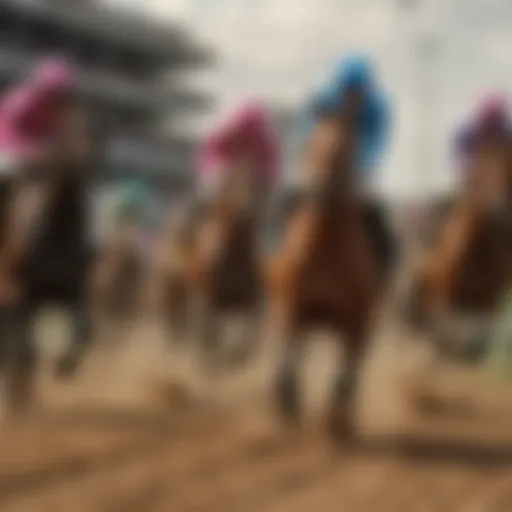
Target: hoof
476,351
67,366
177,335
287,395
340,425
20,391
240,356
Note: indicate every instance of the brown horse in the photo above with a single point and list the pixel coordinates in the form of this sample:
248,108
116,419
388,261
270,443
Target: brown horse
214,269
325,272
469,264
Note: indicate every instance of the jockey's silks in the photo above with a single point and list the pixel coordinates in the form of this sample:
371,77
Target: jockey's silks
248,125
28,118
491,113
373,125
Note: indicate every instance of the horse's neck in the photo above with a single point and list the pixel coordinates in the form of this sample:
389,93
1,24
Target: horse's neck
330,158
235,230
480,240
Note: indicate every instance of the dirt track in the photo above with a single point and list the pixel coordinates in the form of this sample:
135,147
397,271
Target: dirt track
124,437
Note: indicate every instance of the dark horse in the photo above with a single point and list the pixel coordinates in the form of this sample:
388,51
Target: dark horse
215,267
52,255
327,271
468,267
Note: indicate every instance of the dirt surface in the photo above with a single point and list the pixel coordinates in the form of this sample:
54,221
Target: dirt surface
139,430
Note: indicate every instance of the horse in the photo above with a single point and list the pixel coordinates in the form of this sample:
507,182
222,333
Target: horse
326,272
214,270
466,269
50,257
167,294
120,273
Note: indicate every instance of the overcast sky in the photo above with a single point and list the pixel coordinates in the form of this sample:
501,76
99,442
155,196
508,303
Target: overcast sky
280,49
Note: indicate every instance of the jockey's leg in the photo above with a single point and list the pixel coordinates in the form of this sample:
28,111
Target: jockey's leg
250,336
287,382
208,325
82,334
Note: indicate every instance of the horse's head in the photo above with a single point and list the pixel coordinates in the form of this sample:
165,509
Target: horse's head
328,159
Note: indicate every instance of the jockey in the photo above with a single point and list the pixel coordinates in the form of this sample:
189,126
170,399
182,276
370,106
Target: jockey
30,113
127,248
28,118
53,265
128,222
245,134
490,122
353,92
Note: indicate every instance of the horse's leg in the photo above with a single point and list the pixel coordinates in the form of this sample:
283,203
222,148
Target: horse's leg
21,354
208,325
287,383
4,337
177,312
82,328
343,401
413,308
249,336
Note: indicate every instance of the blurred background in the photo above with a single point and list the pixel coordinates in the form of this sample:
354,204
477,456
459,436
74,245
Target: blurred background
161,70
435,57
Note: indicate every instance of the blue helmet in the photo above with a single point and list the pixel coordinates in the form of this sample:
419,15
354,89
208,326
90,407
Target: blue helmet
355,71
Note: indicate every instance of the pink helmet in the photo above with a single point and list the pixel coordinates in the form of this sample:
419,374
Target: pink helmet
54,74
493,111
250,121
